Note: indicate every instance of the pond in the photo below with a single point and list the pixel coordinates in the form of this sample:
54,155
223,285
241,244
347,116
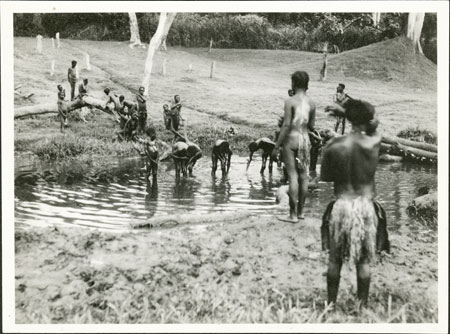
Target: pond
112,199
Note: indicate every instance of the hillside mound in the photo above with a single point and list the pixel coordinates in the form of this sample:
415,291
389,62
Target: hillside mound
390,60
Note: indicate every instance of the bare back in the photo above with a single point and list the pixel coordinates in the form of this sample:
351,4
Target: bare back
350,162
299,116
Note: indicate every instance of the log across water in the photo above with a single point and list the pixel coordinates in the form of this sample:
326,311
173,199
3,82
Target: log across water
52,108
410,143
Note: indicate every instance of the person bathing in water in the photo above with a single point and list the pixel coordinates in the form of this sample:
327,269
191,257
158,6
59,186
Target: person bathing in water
354,225
340,98
299,117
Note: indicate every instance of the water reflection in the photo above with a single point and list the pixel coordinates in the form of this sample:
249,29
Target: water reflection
111,198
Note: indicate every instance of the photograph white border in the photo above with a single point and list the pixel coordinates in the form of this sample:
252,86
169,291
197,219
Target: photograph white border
7,121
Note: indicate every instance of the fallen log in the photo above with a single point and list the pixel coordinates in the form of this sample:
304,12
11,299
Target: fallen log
409,153
182,219
410,143
52,108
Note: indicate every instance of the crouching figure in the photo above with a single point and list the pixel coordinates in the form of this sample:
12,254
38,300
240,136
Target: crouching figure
267,146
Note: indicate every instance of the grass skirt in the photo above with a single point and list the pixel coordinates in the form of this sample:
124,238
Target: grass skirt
354,228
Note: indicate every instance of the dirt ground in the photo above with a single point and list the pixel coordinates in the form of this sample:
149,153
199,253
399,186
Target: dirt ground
247,270
253,269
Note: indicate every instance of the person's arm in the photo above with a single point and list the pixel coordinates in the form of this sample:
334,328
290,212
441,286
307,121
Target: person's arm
312,118
335,98
285,127
326,169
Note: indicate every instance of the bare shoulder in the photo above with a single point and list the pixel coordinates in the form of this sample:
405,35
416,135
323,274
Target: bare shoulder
336,144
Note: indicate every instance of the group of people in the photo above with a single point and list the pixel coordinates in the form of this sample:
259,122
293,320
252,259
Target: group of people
354,224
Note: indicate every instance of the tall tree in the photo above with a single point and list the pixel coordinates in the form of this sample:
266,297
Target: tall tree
414,29
135,38
165,20
170,19
376,17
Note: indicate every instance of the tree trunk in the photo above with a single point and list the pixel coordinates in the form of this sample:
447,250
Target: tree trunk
414,29
164,20
376,17
410,143
323,71
135,38
169,21
52,108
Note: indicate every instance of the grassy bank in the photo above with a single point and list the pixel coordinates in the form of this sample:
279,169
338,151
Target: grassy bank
247,91
257,270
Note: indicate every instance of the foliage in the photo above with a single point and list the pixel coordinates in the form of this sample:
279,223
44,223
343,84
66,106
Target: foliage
293,31
418,134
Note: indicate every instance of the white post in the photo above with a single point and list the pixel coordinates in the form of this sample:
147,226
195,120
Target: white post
53,43
210,45
164,67
57,40
213,66
52,70
88,63
39,43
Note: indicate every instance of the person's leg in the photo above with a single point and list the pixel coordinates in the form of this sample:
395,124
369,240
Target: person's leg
61,117
343,125
336,126
303,190
291,168
333,278
72,91
214,163
229,154
154,171
264,162
270,164
363,280
223,165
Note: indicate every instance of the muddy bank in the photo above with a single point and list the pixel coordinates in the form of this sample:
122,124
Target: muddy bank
254,269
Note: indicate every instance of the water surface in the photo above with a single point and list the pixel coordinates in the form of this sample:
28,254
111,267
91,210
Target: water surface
111,199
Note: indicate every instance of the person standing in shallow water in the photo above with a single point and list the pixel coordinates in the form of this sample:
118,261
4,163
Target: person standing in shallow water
354,225
299,117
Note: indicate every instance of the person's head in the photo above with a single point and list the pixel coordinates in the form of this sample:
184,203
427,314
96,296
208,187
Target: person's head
74,63
107,90
134,115
141,90
300,80
340,88
85,81
121,98
151,132
291,92
166,107
60,88
177,98
361,114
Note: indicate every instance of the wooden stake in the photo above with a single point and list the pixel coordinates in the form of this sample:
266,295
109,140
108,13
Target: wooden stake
164,67
210,45
39,43
52,69
57,40
88,63
323,71
53,43
213,66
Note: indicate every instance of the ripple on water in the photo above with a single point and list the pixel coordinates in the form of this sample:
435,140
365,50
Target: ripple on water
112,206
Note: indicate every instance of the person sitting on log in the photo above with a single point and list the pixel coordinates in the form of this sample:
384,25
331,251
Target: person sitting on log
142,109
61,110
112,103
125,115
222,151
82,92
353,225
149,150
267,146
340,98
